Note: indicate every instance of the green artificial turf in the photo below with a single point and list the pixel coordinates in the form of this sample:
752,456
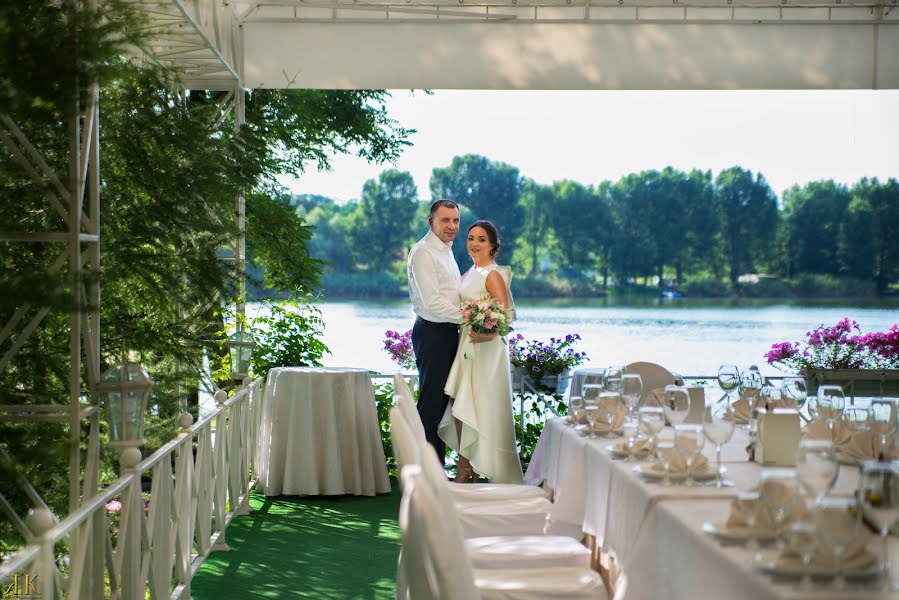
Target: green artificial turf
307,547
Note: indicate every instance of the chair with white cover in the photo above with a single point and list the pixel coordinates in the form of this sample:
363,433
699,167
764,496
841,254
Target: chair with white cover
439,567
479,517
479,491
654,377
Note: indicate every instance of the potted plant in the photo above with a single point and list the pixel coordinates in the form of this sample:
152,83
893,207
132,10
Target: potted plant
546,364
864,365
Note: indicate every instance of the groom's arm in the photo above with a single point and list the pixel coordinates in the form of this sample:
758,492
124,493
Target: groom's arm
424,277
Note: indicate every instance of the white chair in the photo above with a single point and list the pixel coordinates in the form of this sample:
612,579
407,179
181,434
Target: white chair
654,377
473,491
438,565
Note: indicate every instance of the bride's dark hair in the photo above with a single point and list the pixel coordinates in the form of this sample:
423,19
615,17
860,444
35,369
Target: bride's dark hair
492,234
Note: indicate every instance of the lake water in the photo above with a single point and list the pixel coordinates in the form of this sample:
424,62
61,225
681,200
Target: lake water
691,337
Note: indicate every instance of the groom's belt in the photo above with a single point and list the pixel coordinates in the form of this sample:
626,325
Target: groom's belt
435,323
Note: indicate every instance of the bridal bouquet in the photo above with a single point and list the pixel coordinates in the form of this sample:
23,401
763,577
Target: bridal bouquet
486,315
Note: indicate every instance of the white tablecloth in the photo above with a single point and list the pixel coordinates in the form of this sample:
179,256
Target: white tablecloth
320,434
655,532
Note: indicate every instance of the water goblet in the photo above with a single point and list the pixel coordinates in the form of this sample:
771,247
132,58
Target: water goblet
665,449
749,502
610,403
631,430
591,410
802,537
612,378
728,378
780,499
575,409
676,403
718,428
689,440
816,466
838,519
793,392
652,421
831,403
882,422
879,493
631,391
751,383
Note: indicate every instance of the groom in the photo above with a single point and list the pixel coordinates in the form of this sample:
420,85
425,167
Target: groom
434,290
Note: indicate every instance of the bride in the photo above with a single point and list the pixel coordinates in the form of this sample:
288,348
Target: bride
478,422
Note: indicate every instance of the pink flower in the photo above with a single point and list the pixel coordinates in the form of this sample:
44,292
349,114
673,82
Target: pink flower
113,506
489,323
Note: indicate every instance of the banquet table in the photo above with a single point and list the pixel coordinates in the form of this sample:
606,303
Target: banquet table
655,533
320,434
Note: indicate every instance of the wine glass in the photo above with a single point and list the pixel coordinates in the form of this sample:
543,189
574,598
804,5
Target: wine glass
718,427
591,408
816,466
631,430
831,403
770,396
802,537
689,440
652,421
665,449
855,419
793,391
882,421
575,409
749,501
838,519
676,403
610,403
631,391
780,498
612,378
879,492
751,383
728,378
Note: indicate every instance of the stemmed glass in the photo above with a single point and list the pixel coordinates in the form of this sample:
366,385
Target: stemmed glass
855,418
612,378
882,421
879,493
838,519
779,495
793,391
631,391
631,430
751,383
728,379
816,466
609,405
803,538
591,394
689,440
831,403
770,396
676,403
652,420
750,501
718,427
665,449
575,409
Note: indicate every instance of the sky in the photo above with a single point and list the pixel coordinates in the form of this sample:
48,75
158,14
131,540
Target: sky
791,137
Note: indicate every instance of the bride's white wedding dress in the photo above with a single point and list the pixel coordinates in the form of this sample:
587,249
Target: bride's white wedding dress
480,383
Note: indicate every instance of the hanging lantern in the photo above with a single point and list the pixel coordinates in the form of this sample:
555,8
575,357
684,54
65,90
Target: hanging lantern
125,390
240,346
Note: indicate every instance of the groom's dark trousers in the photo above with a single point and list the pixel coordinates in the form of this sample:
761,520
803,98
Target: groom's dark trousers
435,348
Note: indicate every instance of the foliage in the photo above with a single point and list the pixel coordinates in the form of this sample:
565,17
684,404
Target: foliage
837,348
540,359
812,285
537,408
381,225
749,216
384,400
289,335
399,347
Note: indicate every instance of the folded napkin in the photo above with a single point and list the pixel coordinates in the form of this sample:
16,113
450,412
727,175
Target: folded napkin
741,411
617,419
741,509
641,446
678,465
817,429
863,445
855,557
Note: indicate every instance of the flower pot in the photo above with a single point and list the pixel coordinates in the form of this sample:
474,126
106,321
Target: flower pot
855,382
550,384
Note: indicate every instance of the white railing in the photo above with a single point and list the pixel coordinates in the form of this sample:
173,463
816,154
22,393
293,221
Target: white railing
158,547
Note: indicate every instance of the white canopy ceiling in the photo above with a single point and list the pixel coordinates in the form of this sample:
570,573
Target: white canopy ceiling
532,44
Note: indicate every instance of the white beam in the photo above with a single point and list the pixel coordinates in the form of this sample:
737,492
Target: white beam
585,55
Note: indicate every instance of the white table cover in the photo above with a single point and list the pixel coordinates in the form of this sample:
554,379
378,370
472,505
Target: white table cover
655,532
320,434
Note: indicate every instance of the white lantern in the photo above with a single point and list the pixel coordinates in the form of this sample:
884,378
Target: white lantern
125,390
241,345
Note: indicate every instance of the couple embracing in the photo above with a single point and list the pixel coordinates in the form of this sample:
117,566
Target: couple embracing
465,382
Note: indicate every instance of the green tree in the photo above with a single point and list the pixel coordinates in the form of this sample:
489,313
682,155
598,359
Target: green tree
872,231
814,215
537,204
489,188
749,218
383,220
581,219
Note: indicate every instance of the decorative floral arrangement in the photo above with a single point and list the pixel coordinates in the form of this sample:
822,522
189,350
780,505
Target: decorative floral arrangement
837,347
540,359
486,315
399,347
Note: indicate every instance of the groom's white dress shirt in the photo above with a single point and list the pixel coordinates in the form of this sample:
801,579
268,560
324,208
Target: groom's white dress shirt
434,280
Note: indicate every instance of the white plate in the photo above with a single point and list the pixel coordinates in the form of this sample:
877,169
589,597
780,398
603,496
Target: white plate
616,453
736,534
766,562
648,473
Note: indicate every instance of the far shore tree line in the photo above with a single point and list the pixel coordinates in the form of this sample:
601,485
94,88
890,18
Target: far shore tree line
699,233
